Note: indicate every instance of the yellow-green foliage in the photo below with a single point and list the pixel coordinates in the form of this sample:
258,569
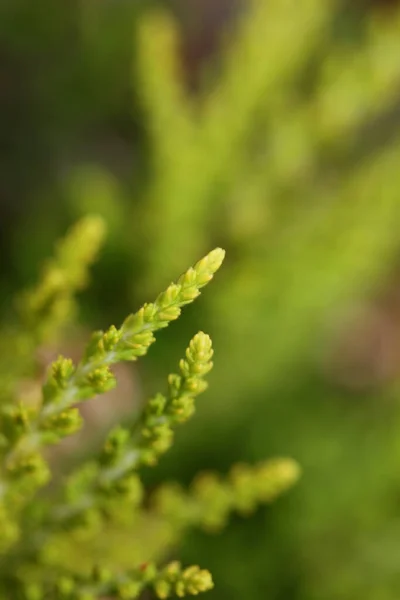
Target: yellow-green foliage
44,310
287,155
106,493
281,145
288,143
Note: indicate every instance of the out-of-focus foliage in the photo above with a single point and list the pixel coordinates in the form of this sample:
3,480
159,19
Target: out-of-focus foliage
287,154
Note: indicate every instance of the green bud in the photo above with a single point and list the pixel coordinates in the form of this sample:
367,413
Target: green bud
101,380
188,279
65,423
182,408
149,312
162,589
172,570
207,266
276,476
134,322
188,294
170,296
134,346
32,465
180,589
111,338
15,421
156,406
200,580
62,369
169,314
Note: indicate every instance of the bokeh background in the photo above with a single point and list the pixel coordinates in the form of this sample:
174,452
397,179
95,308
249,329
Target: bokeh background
270,128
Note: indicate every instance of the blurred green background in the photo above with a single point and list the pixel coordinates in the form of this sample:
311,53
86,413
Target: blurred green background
272,129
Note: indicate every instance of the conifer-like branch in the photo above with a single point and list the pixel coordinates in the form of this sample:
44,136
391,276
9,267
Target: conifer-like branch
45,307
171,581
26,431
111,479
211,500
